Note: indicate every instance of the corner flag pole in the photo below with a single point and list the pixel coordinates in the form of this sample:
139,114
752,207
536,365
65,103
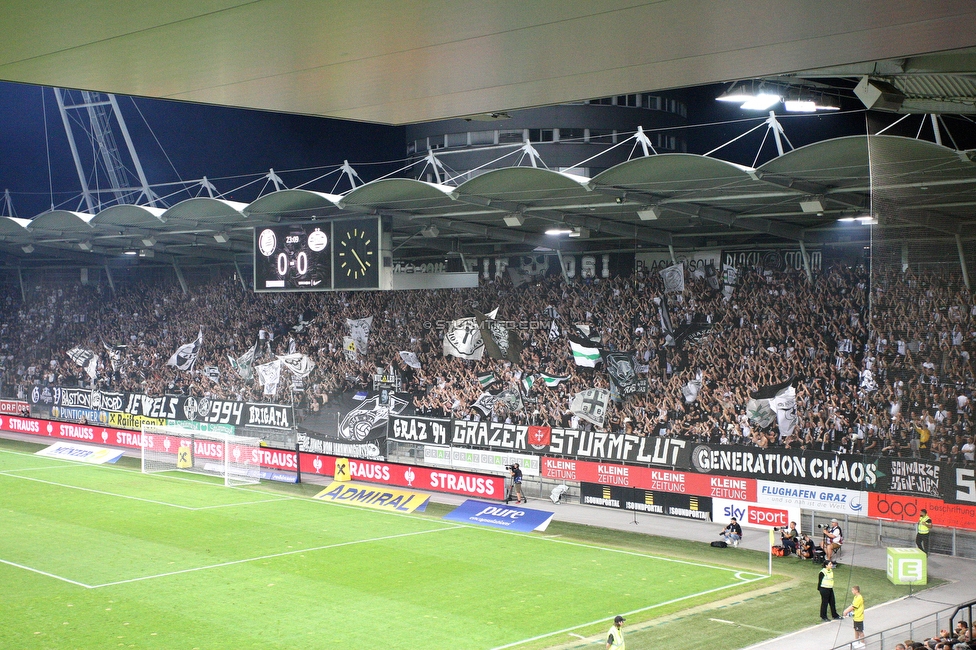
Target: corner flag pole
772,541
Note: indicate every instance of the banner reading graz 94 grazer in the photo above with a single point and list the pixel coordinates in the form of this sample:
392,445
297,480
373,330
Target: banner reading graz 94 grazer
595,445
172,407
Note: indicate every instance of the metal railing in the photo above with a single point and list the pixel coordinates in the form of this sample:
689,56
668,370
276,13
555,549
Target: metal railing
920,629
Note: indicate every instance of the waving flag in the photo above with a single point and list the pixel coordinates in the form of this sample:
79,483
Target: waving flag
674,278
591,405
584,353
87,359
186,355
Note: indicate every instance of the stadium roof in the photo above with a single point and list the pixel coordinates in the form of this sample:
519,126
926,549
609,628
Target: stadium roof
680,200
422,60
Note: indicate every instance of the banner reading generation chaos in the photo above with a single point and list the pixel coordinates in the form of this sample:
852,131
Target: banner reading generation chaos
158,407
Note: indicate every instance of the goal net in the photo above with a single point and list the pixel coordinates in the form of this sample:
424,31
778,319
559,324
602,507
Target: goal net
230,457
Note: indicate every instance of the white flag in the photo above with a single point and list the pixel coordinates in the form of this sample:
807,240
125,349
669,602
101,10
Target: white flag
268,376
243,365
186,355
359,331
410,358
297,364
591,405
462,338
86,359
349,348
674,278
784,405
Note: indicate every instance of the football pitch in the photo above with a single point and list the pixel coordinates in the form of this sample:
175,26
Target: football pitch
105,557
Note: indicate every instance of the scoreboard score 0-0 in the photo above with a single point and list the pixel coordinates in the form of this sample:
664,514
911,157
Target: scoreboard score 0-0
305,257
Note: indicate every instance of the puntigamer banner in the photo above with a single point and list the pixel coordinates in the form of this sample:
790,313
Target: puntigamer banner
138,406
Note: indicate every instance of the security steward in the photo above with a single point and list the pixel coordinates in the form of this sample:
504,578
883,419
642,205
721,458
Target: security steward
825,585
615,640
922,530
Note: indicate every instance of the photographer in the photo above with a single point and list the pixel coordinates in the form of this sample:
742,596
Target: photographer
833,537
732,533
516,490
789,537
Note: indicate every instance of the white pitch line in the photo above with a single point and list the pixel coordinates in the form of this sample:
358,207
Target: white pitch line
733,623
94,491
568,630
274,555
45,573
134,498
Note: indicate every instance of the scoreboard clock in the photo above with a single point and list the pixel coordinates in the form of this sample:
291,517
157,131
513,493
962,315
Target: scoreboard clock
356,254
322,256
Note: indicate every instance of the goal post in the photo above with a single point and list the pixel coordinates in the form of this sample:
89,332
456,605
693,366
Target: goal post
175,449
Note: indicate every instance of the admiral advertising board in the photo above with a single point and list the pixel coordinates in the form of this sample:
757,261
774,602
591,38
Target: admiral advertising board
649,501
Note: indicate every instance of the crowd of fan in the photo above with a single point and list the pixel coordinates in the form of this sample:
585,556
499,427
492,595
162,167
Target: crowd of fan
902,387
961,637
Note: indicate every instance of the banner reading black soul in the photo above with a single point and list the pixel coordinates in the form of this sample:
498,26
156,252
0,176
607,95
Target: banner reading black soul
671,504
172,407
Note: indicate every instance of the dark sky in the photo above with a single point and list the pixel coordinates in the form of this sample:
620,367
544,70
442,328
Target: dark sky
200,140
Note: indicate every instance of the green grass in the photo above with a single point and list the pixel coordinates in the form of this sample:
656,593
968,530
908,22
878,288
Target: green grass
103,556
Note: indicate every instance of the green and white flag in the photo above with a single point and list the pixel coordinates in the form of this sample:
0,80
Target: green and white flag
487,379
584,353
551,381
527,383
243,365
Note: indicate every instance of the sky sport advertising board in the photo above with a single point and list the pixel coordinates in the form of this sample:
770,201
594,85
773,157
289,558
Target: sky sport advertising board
753,515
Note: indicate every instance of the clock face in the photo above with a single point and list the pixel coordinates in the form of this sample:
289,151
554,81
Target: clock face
357,254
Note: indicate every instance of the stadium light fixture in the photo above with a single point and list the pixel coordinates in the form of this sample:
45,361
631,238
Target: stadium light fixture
149,242
812,206
27,249
222,237
430,231
558,231
649,213
514,220
85,245
581,233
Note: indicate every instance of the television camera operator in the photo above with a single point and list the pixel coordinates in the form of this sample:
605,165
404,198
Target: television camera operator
515,491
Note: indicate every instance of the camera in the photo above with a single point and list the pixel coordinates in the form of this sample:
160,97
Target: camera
509,467
821,526
777,528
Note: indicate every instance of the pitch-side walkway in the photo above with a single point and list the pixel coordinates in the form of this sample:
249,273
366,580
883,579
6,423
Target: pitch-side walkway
961,573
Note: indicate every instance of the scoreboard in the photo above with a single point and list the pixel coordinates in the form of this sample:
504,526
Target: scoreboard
323,256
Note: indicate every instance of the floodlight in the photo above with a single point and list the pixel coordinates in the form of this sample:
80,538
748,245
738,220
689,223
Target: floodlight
649,213
514,220
222,237
27,249
430,231
761,102
149,242
85,245
812,205
558,231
